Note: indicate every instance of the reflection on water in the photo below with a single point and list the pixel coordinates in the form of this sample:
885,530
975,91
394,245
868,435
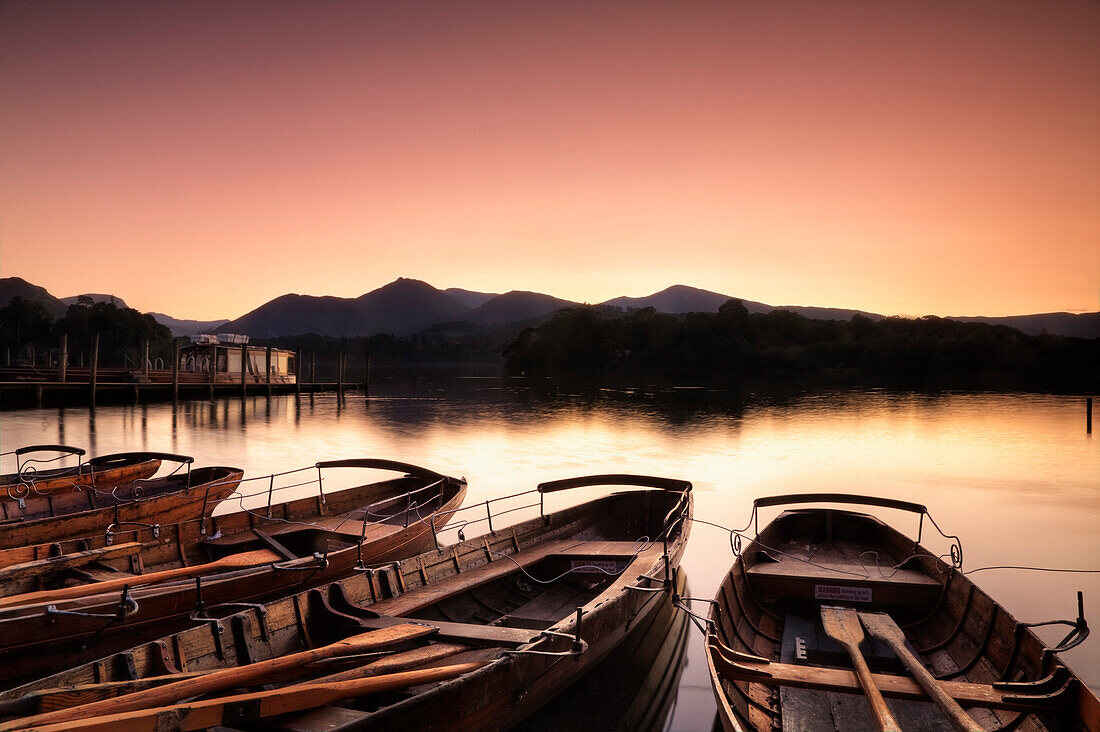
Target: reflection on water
1015,475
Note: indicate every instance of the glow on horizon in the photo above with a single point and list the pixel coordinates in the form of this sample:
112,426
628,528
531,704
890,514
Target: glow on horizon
200,159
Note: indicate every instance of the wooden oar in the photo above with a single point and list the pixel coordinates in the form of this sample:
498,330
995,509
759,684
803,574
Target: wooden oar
62,697
228,678
842,625
233,561
395,662
882,627
47,700
228,710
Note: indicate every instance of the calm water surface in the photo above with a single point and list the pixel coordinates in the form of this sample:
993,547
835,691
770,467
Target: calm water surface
1015,475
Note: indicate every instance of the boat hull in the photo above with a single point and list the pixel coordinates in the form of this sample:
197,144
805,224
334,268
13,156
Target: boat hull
34,642
440,584
769,606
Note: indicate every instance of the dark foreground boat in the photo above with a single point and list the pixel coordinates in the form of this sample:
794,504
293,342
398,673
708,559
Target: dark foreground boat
103,472
472,637
832,620
92,509
143,579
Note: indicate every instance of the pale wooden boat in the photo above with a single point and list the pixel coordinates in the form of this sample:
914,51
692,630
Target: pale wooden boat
511,618
103,472
90,510
80,599
775,666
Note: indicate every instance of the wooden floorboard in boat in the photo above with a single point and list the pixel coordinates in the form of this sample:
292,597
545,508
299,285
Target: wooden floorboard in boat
805,710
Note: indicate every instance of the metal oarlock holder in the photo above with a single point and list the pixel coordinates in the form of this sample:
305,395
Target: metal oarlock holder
127,606
579,644
1079,631
116,528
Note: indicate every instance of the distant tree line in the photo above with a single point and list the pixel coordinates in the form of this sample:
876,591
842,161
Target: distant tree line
30,334
736,344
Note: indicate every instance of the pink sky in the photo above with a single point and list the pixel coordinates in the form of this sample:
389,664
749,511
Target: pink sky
200,158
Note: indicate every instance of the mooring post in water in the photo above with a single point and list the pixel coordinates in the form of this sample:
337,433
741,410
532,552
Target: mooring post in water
268,367
313,367
95,366
1088,415
146,363
366,374
244,370
213,368
298,372
63,359
176,375
339,373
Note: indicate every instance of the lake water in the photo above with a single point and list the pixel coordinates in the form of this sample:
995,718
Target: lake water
1015,475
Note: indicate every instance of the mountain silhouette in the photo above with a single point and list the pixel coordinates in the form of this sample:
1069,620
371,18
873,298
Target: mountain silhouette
407,306
96,297
402,307
12,287
469,298
516,306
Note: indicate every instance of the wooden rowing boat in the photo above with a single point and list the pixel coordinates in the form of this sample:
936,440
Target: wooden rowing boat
103,472
89,510
533,607
84,598
939,652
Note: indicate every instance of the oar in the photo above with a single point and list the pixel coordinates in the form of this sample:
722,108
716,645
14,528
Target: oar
50,699
842,625
233,561
234,709
228,678
882,627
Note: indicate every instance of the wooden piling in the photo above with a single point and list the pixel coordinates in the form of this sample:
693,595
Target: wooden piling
313,367
366,374
1088,415
63,359
244,370
298,372
268,371
176,374
145,363
95,367
339,373
213,368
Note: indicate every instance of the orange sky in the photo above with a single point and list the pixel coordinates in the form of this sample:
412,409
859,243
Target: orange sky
200,158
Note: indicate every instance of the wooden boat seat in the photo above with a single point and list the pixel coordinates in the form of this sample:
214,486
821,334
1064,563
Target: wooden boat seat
349,529
836,582
470,633
625,549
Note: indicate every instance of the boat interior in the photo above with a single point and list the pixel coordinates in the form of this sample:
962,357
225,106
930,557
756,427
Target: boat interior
777,659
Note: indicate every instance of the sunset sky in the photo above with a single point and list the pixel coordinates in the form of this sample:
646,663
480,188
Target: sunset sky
200,158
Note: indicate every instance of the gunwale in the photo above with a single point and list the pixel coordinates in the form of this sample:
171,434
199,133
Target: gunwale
496,696
959,631
103,472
